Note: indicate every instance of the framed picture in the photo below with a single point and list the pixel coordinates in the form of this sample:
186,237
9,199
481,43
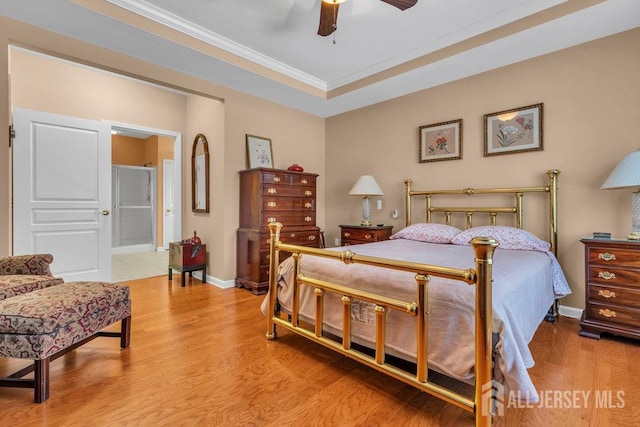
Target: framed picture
440,141
513,131
259,154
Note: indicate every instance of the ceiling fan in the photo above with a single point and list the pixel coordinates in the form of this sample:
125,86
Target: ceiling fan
329,13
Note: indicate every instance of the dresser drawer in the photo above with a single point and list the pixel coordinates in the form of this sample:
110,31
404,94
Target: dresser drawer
354,235
287,178
295,237
288,191
275,204
613,256
611,313
291,218
614,276
613,295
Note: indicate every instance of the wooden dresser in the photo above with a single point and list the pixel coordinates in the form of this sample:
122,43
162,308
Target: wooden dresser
612,288
357,234
272,195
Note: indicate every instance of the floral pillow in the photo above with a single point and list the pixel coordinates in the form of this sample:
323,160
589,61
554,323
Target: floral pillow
507,237
428,232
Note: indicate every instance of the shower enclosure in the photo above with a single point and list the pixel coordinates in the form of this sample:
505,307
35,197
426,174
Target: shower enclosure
134,209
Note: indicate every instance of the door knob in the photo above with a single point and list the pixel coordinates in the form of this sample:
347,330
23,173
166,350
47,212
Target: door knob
105,212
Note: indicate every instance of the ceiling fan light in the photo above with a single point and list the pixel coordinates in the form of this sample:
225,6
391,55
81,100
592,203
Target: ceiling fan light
334,1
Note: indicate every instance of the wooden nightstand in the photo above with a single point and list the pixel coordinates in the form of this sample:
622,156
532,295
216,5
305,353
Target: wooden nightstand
612,288
357,234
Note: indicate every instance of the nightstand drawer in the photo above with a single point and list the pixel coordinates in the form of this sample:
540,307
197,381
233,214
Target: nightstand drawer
614,256
614,276
612,295
611,313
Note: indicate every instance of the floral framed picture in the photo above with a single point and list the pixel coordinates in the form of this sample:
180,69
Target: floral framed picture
513,131
440,141
259,152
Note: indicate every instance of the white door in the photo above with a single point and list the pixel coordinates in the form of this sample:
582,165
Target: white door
168,181
62,193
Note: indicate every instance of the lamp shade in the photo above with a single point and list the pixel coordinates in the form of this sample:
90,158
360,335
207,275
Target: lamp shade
366,186
626,174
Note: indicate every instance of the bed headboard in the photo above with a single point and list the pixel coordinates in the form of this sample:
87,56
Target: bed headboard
516,209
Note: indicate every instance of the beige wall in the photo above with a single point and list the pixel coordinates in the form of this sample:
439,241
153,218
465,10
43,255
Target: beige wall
297,137
590,95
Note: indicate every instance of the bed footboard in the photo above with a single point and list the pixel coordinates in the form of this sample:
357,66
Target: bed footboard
481,405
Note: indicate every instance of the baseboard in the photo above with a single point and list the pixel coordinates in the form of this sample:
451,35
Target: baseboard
567,311
219,283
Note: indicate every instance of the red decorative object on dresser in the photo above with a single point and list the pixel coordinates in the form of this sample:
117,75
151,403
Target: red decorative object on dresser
272,195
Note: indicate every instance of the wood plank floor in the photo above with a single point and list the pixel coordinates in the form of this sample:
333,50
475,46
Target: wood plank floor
198,356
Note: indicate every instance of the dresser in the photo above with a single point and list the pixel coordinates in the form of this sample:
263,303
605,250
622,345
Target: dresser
357,234
612,288
272,195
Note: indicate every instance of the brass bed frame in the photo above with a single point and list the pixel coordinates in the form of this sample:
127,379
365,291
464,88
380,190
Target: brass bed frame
482,403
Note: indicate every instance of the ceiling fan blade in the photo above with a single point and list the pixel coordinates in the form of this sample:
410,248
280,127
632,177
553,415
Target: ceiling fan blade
401,4
328,17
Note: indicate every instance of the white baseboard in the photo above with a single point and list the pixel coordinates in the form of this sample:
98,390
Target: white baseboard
219,283
567,311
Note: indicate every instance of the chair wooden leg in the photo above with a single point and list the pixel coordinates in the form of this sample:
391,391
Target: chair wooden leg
125,332
41,378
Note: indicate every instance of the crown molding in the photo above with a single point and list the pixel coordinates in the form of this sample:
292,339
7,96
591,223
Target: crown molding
161,16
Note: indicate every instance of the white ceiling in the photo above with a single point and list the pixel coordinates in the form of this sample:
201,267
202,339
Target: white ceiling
270,48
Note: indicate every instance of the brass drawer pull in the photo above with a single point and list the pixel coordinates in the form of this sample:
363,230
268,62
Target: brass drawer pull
312,237
347,234
307,219
606,275
303,181
271,204
606,293
276,179
272,191
367,236
606,256
308,193
308,205
271,219
293,235
607,313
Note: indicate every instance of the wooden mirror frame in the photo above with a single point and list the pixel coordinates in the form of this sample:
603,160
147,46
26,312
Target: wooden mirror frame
194,190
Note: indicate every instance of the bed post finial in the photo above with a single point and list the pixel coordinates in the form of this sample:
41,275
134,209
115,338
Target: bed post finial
407,192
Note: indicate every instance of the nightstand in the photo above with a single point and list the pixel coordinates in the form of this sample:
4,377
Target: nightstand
357,234
612,288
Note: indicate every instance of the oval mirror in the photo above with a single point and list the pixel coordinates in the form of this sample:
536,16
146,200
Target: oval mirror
200,174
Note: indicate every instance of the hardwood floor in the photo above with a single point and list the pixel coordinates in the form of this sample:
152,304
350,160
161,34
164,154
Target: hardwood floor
199,356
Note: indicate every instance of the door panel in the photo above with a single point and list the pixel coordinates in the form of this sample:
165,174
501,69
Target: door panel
62,193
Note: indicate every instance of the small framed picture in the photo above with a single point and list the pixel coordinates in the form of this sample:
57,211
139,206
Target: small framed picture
259,153
513,131
440,141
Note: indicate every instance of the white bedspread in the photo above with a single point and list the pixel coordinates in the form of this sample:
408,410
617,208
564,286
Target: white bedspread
523,291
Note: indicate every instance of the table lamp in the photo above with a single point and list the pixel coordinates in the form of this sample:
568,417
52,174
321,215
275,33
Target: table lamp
366,186
625,175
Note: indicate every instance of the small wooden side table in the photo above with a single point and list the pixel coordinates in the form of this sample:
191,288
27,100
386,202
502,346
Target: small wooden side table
184,258
357,234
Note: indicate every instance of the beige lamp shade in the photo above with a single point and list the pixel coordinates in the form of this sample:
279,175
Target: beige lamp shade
625,175
366,186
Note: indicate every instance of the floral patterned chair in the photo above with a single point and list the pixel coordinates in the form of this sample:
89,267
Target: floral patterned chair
25,273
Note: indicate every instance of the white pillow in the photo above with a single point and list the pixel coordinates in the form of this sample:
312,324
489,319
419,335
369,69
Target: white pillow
428,232
507,237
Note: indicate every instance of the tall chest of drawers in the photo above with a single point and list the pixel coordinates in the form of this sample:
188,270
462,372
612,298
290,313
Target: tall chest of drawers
272,195
612,288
